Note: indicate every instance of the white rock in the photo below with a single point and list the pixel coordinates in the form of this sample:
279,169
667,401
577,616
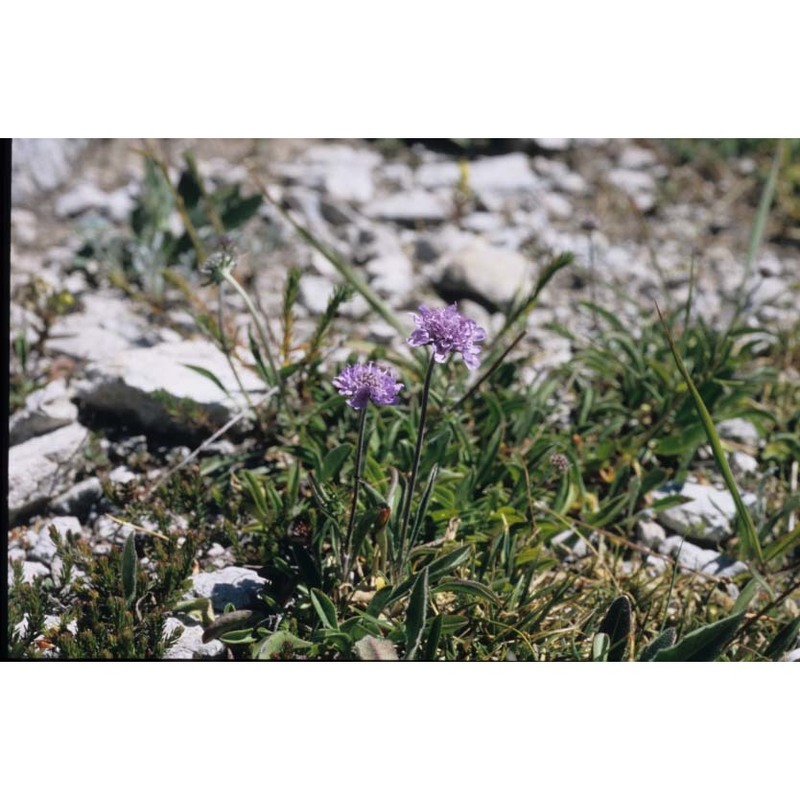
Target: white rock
41,165
553,144
23,226
42,468
106,529
768,291
743,463
634,157
149,383
650,533
341,155
560,176
708,516
351,184
190,643
121,474
392,276
438,175
315,291
397,176
237,585
482,222
45,410
491,273
639,186
104,327
79,498
740,430
83,197
30,570
556,205
410,207
709,562
506,174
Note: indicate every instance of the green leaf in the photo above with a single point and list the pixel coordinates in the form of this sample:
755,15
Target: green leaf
332,463
686,441
239,210
207,373
434,637
276,645
749,545
226,623
416,614
608,512
617,625
238,637
422,508
703,644
468,587
379,601
747,595
325,609
784,640
437,568
781,546
664,639
129,564
601,646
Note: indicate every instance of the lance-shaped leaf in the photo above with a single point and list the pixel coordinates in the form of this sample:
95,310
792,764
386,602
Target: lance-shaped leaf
617,626
703,644
416,614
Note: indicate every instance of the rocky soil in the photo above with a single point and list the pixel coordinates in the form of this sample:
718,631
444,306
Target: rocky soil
419,226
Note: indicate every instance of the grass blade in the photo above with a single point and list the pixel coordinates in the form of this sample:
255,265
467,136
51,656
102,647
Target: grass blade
749,546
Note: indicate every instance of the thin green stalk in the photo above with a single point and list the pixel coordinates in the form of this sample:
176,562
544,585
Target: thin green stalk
757,235
262,335
489,372
593,280
226,350
362,421
423,415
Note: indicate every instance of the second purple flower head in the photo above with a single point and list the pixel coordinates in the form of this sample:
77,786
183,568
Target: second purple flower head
360,383
448,331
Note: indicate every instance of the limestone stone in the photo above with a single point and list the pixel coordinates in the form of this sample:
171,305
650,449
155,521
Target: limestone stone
491,275
42,468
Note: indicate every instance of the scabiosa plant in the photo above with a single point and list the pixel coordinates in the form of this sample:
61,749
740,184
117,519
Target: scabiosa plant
447,331
362,384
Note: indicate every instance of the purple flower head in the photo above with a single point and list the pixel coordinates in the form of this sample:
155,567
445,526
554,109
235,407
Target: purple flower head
360,383
449,332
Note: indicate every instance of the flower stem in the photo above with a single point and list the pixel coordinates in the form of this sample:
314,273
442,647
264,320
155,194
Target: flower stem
423,414
227,350
260,328
362,420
